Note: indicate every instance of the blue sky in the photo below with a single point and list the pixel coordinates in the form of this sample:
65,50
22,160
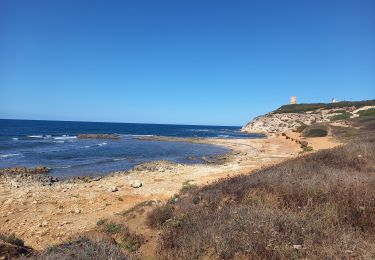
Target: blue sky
185,62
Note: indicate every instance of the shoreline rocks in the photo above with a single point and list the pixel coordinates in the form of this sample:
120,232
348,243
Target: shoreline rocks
17,176
18,170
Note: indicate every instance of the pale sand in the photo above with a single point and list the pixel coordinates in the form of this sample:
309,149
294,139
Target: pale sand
45,216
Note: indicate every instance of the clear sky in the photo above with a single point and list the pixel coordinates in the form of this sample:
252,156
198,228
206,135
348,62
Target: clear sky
186,62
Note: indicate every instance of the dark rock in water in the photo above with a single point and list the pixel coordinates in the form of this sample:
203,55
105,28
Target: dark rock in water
191,158
98,136
18,170
22,175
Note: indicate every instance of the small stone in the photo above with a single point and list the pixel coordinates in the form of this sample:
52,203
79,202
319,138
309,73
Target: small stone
136,184
77,211
8,201
35,202
43,224
297,247
113,189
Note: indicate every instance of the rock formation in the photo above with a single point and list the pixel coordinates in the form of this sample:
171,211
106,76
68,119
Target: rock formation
277,123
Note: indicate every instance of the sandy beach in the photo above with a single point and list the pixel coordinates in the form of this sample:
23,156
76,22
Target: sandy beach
48,215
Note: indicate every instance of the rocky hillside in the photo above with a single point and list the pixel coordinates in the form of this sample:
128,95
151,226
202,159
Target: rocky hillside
290,117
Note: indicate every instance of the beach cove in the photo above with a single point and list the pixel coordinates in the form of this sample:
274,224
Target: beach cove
45,215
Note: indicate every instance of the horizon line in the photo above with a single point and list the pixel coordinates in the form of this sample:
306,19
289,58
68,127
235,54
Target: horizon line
112,122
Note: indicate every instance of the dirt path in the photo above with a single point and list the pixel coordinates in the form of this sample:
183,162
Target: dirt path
44,216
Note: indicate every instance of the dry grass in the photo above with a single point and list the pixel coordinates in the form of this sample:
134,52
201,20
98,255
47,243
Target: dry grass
82,248
317,206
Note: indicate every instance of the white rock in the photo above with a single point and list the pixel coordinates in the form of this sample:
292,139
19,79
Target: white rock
113,189
43,224
136,184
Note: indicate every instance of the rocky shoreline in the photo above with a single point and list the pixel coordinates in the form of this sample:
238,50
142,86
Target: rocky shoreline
20,176
277,122
44,215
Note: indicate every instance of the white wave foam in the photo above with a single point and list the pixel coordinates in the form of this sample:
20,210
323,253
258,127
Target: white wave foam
223,136
59,142
15,138
9,155
35,136
119,159
64,137
140,135
102,144
198,130
63,167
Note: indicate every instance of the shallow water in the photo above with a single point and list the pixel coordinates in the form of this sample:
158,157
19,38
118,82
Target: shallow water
54,144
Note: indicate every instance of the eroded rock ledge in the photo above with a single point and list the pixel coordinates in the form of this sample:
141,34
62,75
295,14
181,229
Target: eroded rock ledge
278,123
18,176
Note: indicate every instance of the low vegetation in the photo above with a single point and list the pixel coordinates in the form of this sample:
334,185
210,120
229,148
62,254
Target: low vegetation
301,108
316,130
131,242
300,128
12,239
159,216
362,129
341,116
368,112
187,186
318,206
83,248
113,228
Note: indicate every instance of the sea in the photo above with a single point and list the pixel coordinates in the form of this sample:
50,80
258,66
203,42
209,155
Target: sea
54,144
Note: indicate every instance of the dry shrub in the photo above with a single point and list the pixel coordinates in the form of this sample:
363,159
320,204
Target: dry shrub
130,241
82,249
158,216
317,206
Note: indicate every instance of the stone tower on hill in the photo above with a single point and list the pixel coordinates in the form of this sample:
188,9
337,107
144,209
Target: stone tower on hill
293,100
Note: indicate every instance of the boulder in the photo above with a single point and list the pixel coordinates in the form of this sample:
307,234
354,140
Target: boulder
113,189
136,184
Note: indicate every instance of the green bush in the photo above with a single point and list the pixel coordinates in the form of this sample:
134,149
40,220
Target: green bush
113,228
187,186
336,111
100,222
300,128
307,149
301,108
368,112
342,116
315,132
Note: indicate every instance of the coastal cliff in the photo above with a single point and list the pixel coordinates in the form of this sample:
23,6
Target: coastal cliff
290,117
277,123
